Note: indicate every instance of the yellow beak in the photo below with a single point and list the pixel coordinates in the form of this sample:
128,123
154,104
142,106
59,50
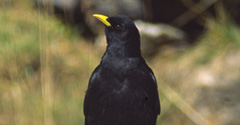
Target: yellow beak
102,18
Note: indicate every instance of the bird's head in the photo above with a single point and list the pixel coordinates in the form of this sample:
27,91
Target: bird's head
119,29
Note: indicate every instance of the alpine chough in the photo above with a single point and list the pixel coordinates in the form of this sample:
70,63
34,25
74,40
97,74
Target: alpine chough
122,89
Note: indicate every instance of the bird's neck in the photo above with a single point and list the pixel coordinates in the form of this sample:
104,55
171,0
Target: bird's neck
121,51
129,48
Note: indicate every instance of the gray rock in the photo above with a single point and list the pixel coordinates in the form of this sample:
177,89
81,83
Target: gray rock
132,8
154,36
62,4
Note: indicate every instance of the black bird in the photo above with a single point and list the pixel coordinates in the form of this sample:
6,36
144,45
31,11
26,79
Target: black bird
122,89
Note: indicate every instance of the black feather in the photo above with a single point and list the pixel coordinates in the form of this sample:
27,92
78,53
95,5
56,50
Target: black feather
122,89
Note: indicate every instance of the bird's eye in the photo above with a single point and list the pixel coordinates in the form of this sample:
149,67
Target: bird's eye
117,27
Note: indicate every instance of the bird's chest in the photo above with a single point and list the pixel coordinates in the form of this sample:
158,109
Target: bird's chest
116,75
118,66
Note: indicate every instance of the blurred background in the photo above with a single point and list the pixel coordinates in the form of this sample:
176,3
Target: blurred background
49,48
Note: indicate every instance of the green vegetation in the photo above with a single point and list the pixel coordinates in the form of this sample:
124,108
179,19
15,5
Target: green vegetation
212,63
221,37
45,66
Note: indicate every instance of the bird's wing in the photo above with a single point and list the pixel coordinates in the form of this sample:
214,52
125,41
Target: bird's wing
152,85
88,101
94,76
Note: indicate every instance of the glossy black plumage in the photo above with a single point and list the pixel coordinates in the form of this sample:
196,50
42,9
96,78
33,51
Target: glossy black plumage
122,89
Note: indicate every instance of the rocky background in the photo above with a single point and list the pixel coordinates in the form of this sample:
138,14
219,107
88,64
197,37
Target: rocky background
49,48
